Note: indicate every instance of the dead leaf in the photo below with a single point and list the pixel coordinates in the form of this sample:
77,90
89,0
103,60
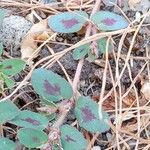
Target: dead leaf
130,99
37,32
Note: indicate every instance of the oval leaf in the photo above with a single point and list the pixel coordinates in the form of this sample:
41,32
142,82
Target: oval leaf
87,113
32,138
67,22
12,66
50,86
30,119
72,139
109,21
81,51
8,111
6,144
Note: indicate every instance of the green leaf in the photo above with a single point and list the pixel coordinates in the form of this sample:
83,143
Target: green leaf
109,21
81,51
12,66
29,119
87,114
72,139
6,144
32,138
9,82
8,111
67,22
102,45
2,15
1,49
50,86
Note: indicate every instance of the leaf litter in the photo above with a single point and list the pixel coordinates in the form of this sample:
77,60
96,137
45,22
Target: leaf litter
126,101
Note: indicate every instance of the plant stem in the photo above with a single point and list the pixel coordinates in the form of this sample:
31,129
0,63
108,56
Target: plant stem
61,118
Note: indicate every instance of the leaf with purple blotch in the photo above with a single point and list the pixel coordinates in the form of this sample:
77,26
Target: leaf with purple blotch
8,111
109,21
81,51
50,85
6,144
72,139
12,66
67,22
32,138
87,114
29,119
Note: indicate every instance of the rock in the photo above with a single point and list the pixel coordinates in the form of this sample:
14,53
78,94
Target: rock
14,28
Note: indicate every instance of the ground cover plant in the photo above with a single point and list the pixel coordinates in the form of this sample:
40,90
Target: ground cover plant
80,78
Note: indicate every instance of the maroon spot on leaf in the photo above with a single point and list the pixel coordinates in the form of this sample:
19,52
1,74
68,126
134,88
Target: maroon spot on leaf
69,139
35,139
87,114
8,67
32,121
109,21
69,23
51,89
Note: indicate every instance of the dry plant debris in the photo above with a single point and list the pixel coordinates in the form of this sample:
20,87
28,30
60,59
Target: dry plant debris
74,107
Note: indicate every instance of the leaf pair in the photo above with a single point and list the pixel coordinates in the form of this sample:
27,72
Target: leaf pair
31,135
54,88
90,117
83,50
10,67
69,22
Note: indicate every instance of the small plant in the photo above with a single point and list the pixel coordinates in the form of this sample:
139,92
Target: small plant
9,68
86,110
69,22
56,93
31,135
